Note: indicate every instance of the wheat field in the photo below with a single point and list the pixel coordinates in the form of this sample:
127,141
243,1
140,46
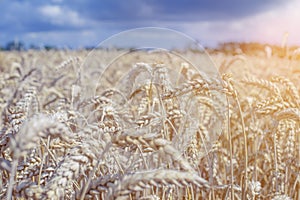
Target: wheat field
149,127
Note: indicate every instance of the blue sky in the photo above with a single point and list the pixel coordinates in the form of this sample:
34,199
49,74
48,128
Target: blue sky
80,23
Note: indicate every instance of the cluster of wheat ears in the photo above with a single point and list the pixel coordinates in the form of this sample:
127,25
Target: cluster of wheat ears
198,137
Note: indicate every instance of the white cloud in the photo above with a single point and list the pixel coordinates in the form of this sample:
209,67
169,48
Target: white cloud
269,27
266,27
51,11
61,16
57,1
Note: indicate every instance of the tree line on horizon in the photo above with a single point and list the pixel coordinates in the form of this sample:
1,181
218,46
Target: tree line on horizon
251,48
20,46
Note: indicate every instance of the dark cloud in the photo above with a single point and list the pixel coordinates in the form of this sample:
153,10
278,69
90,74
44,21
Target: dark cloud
103,17
212,9
24,15
170,10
